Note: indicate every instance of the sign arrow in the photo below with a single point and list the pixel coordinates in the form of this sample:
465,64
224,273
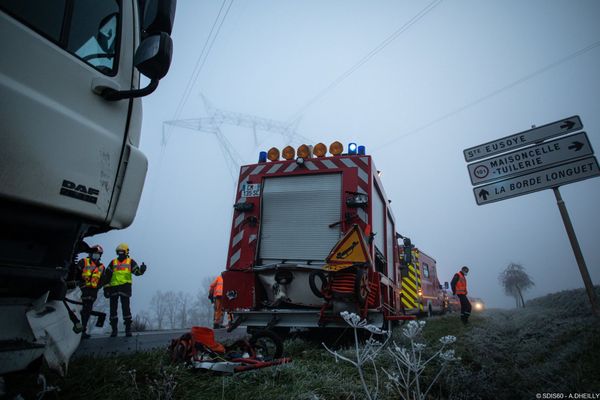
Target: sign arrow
518,162
523,139
567,125
484,193
576,145
552,177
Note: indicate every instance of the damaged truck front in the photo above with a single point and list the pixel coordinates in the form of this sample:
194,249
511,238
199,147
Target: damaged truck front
70,166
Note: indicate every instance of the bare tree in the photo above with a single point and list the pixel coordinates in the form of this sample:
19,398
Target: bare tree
158,307
180,309
141,322
184,302
202,309
172,306
515,281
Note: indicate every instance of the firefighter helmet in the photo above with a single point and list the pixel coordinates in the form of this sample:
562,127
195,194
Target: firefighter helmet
96,249
122,247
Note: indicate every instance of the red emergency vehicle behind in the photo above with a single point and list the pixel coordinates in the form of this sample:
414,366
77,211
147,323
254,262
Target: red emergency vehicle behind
422,292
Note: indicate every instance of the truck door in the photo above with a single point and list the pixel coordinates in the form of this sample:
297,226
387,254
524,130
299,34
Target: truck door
61,142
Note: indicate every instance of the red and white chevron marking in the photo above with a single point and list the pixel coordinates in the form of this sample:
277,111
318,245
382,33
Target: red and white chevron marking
255,173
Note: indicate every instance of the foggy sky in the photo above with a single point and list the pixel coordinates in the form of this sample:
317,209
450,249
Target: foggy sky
466,73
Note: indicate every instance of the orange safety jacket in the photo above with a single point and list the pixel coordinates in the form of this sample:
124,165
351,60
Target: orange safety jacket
91,273
461,285
216,287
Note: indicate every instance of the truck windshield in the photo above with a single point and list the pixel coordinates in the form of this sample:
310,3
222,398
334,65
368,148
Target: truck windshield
86,28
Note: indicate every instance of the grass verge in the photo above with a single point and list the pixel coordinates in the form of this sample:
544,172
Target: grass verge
553,345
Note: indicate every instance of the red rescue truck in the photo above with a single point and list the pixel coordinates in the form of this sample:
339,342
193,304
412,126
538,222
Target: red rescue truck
422,292
312,236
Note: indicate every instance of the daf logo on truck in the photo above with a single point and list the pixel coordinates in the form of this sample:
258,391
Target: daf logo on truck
79,192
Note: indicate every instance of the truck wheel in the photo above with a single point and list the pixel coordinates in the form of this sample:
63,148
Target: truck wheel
179,354
313,285
267,344
281,331
361,286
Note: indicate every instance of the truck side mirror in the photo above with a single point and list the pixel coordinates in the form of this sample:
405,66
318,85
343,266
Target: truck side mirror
159,16
407,251
153,56
152,59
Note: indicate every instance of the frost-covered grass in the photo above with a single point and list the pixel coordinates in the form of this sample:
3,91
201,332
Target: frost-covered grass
313,374
552,345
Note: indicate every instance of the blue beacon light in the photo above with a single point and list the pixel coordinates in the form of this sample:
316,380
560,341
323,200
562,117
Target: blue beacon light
262,157
352,148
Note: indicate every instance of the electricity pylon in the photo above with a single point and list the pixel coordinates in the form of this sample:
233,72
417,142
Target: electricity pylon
216,118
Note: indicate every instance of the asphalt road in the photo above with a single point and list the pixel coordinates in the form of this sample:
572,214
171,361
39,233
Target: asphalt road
104,345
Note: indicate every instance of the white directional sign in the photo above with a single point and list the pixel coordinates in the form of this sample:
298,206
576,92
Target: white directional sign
530,159
524,138
538,164
552,177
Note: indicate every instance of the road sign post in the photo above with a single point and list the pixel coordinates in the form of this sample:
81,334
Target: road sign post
585,275
536,165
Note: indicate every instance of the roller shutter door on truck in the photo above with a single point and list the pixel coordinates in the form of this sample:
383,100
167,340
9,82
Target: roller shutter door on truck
295,217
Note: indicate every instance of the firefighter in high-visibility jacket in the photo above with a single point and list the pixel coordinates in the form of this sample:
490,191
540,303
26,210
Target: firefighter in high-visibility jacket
119,287
215,295
92,277
459,288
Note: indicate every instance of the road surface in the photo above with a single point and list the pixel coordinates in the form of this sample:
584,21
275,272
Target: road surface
104,345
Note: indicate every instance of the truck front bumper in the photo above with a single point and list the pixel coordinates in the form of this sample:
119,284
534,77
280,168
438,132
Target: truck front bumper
303,318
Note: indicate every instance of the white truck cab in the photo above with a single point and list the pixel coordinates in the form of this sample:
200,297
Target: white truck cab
70,167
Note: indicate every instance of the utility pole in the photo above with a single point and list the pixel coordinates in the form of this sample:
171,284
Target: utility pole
587,280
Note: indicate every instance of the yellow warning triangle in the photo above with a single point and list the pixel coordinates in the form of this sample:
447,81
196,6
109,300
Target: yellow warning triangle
337,267
350,250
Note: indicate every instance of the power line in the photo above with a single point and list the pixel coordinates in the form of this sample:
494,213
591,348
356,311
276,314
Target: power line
495,92
185,95
366,58
206,48
201,61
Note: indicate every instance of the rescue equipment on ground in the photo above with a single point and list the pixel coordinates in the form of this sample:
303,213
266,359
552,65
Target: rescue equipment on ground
198,349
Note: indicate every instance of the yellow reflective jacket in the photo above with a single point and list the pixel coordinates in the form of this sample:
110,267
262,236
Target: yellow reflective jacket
121,271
